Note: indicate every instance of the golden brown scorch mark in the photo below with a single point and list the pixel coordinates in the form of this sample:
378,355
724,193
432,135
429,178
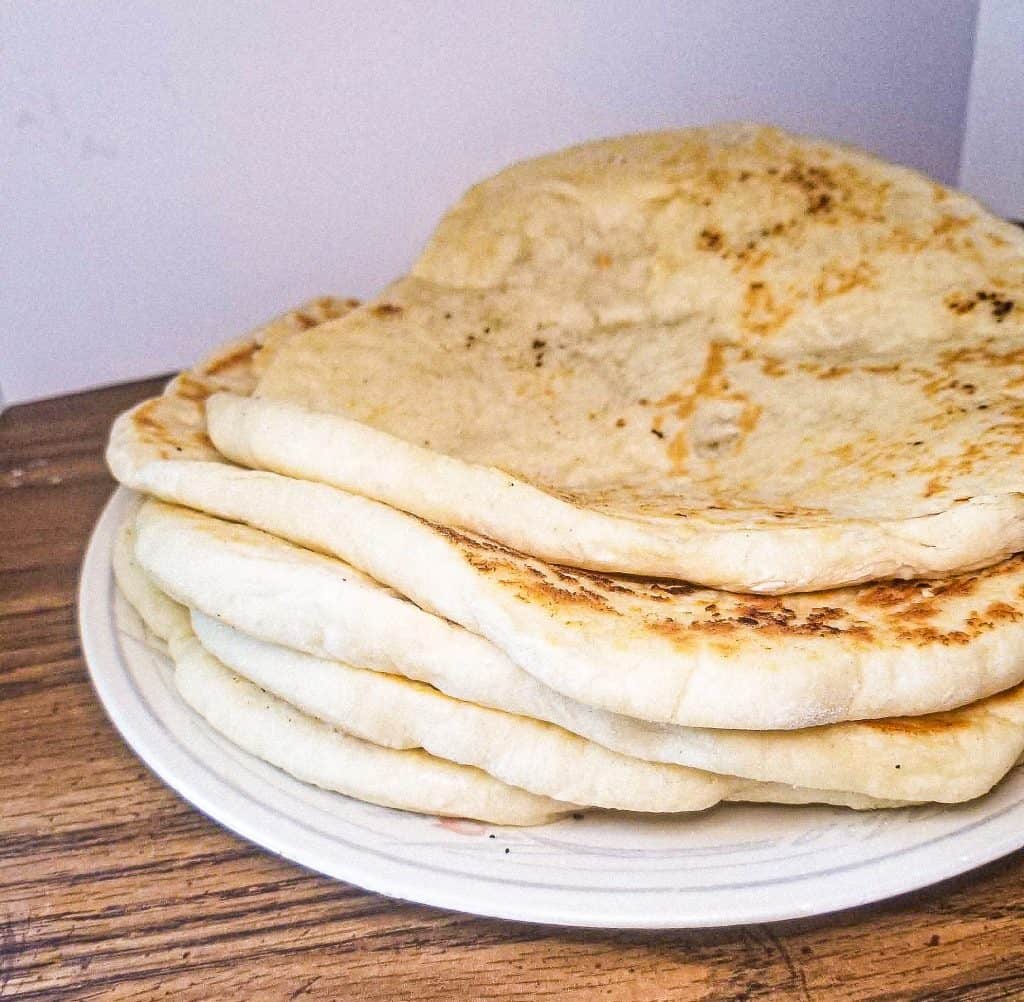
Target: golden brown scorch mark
531,580
152,428
241,357
763,617
910,604
836,280
188,387
901,596
319,311
762,313
931,723
711,383
962,303
709,239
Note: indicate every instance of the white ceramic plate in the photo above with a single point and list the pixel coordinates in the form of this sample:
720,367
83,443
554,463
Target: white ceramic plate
734,864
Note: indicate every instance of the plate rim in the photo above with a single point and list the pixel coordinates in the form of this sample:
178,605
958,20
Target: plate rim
374,871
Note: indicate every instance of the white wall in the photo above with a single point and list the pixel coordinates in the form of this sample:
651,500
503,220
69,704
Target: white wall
992,162
174,173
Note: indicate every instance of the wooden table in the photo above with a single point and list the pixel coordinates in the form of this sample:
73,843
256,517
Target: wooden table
112,887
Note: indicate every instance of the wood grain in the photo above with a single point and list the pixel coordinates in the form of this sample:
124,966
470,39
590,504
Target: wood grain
113,888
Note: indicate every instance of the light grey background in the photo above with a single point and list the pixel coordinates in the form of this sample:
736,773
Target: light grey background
174,173
992,160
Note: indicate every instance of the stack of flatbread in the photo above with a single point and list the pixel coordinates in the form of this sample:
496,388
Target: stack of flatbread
681,468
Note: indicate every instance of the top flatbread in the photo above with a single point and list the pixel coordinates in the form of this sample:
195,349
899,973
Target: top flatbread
728,355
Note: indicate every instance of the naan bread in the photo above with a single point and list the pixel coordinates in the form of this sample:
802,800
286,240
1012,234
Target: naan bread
391,711
673,653
728,355
309,749
395,712
952,757
392,719
300,600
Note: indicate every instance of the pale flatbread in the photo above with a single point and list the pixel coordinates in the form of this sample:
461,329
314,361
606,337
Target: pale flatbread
726,355
309,749
392,711
332,725
306,602
661,651
396,712
939,758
